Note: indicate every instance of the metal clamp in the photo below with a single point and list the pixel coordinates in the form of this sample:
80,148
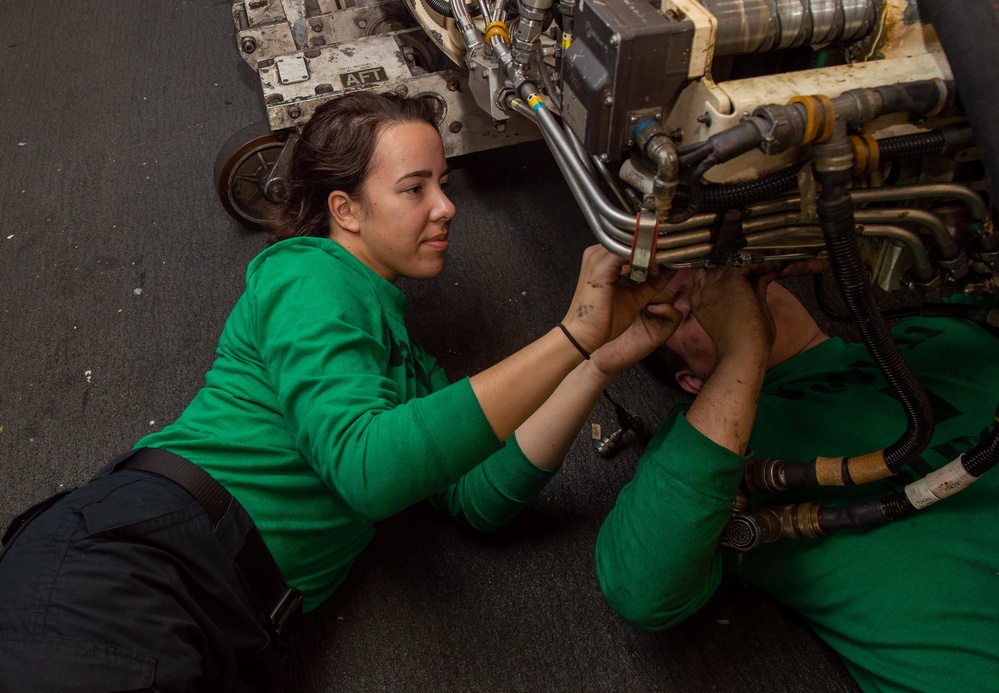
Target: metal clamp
643,247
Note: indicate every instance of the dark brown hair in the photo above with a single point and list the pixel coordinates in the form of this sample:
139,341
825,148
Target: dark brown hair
664,363
334,152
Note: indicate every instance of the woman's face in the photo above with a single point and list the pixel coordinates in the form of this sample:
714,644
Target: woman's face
403,220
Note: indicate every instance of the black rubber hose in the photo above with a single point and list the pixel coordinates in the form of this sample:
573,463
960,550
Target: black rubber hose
969,34
929,143
918,97
872,513
443,7
726,196
693,154
835,211
695,192
896,506
908,146
859,516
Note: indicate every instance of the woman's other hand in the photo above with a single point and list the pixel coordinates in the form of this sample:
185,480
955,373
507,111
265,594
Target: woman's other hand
654,324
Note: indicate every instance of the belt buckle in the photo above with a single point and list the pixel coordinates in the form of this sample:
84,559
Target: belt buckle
285,614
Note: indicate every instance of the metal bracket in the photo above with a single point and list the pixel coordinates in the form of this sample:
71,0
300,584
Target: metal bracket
643,248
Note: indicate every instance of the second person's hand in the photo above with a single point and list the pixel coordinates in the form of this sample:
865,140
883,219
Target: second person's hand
731,305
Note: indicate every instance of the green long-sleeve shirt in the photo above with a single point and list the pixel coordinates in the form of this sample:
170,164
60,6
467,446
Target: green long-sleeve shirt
322,416
913,605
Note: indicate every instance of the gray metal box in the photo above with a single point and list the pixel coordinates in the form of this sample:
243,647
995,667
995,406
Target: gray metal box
627,63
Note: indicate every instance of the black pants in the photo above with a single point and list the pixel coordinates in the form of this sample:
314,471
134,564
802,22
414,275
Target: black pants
124,584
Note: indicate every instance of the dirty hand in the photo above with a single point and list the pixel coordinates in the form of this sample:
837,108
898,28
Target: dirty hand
730,304
654,325
602,308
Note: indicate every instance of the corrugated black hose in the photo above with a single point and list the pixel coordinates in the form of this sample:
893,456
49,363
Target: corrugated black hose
835,210
725,196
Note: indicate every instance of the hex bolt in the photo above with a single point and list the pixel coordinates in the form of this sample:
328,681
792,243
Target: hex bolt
362,24
275,191
317,26
402,90
248,44
295,112
455,126
452,85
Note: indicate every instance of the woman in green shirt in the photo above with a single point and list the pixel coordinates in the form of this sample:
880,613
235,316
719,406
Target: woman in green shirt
319,417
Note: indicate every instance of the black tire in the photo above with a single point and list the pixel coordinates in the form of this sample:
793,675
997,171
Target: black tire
241,166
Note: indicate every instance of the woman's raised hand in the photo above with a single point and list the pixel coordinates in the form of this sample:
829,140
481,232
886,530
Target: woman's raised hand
602,308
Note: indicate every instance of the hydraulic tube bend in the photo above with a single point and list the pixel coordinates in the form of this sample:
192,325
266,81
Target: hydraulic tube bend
653,141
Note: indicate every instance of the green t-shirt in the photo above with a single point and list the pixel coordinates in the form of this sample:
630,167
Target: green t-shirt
322,416
911,605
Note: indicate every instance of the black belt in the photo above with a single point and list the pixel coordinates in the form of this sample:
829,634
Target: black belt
281,605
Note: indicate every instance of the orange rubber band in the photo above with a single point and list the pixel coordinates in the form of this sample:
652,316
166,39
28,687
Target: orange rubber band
811,120
828,117
866,154
497,29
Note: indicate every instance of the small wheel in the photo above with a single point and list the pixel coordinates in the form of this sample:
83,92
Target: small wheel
241,167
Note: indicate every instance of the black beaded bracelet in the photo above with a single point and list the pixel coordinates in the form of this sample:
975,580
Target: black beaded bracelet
586,355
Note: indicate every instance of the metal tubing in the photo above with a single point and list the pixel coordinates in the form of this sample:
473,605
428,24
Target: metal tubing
923,191
470,35
585,207
909,240
921,267
779,212
617,224
666,257
931,222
